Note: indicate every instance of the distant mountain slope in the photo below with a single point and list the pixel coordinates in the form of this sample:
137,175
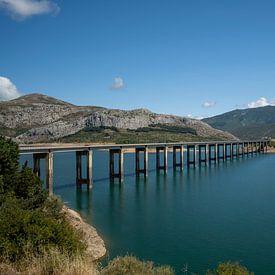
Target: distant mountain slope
40,118
247,123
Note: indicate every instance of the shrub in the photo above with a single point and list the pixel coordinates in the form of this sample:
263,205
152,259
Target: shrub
30,221
229,268
25,231
9,164
130,265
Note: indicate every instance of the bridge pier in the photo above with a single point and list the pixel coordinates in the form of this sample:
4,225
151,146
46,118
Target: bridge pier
228,154
265,146
250,149
191,161
242,149
143,150
231,151
89,160
259,146
49,168
237,150
221,148
120,173
234,150
163,167
202,153
245,148
210,157
180,163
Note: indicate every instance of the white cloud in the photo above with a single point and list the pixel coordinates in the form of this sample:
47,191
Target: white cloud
118,83
7,89
20,9
208,104
261,102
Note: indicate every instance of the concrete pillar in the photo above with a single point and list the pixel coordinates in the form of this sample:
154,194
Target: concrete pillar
212,152
120,173
250,144
202,153
49,172
231,151
36,164
163,167
89,169
143,150
261,146
193,160
48,166
221,152
88,154
180,163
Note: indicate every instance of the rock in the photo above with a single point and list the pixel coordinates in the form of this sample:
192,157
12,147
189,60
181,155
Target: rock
95,245
39,118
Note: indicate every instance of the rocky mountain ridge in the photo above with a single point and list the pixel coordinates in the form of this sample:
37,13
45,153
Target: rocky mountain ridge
40,118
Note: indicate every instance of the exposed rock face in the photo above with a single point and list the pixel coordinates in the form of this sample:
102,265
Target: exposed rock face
95,245
44,119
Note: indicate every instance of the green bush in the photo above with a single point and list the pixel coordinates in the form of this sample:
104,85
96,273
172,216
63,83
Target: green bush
130,265
229,268
30,221
9,165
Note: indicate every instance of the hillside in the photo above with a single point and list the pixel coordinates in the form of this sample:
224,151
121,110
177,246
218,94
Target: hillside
247,123
40,118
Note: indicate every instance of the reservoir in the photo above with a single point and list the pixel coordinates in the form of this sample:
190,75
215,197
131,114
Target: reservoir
191,219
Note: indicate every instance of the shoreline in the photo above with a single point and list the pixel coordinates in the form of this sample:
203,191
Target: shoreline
96,248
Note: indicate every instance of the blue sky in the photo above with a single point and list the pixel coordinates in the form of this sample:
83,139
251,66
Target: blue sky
184,57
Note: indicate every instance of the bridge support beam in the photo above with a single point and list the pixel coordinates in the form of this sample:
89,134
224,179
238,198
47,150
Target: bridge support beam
180,163
245,148
228,150
120,173
234,150
49,168
220,152
231,151
143,170
163,167
242,149
202,153
191,149
212,152
88,154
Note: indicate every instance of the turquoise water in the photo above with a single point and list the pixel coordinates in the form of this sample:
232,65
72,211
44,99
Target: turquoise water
195,218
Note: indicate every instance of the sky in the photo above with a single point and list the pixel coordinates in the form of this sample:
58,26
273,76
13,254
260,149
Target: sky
195,58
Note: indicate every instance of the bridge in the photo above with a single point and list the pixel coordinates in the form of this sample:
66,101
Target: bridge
197,153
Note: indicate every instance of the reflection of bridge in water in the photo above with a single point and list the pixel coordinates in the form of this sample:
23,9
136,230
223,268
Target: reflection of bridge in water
197,153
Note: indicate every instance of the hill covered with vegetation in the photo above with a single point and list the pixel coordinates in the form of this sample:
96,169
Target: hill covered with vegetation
253,123
40,118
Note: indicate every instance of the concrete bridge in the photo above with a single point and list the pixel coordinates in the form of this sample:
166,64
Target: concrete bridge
197,153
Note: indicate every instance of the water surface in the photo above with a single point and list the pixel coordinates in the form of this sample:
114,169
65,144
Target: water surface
195,218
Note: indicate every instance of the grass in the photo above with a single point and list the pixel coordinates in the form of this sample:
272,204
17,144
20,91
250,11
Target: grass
51,262
141,135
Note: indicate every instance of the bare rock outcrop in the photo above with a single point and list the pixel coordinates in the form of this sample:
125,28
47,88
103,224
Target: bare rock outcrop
39,118
95,245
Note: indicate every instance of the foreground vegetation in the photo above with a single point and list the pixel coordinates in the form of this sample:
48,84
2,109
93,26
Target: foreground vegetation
36,238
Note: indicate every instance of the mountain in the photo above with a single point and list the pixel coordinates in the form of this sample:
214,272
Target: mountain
40,118
253,123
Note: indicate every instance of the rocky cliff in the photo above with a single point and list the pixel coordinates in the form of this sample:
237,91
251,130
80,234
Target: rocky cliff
39,118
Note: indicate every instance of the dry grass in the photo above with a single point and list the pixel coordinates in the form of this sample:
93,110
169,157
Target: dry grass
52,262
130,265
